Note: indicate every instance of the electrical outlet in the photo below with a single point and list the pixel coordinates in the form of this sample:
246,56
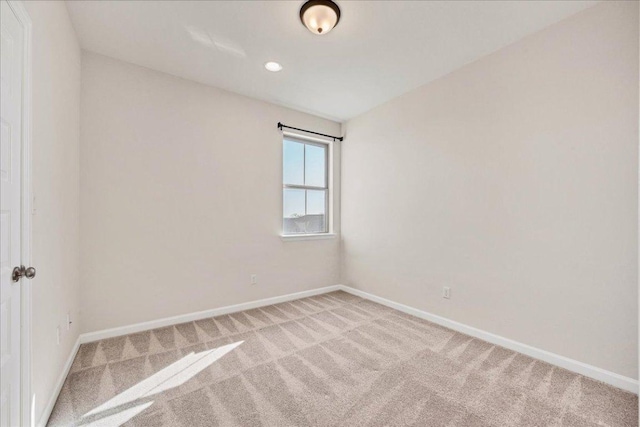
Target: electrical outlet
446,292
254,279
58,335
69,321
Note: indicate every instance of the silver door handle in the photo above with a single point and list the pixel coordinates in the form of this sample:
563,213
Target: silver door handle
22,271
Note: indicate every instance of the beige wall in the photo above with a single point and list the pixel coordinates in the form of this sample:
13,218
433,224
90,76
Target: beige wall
181,198
513,181
55,146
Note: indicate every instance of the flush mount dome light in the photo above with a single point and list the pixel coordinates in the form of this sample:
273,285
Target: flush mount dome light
273,66
320,16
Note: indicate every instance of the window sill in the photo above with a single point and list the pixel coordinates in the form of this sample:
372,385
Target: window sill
297,237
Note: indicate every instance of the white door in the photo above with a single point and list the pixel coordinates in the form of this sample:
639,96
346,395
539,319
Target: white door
11,53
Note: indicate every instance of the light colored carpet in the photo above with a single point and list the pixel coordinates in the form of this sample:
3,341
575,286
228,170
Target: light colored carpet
330,360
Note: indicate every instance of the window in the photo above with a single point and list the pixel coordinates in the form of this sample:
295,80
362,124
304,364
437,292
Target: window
305,189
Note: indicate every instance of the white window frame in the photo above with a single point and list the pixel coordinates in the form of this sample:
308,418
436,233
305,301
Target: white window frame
328,234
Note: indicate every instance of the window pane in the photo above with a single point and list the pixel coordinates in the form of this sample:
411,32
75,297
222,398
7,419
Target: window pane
294,203
299,220
293,162
294,211
316,218
315,202
315,166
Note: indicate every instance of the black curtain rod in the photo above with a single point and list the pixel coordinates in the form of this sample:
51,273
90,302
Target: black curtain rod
339,138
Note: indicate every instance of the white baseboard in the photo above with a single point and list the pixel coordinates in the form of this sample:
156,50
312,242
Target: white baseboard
189,317
590,371
59,383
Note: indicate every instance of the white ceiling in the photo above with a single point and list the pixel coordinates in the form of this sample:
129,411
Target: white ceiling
379,50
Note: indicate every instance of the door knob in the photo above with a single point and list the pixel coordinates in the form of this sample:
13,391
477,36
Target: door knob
22,271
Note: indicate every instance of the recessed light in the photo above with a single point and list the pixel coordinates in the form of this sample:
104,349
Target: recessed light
273,66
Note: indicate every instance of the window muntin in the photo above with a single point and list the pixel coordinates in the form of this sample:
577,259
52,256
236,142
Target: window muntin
305,187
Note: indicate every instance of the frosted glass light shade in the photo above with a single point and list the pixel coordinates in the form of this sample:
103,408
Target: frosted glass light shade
320,16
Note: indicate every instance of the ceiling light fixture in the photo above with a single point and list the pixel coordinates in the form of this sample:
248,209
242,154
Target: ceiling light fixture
273,66
320,16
